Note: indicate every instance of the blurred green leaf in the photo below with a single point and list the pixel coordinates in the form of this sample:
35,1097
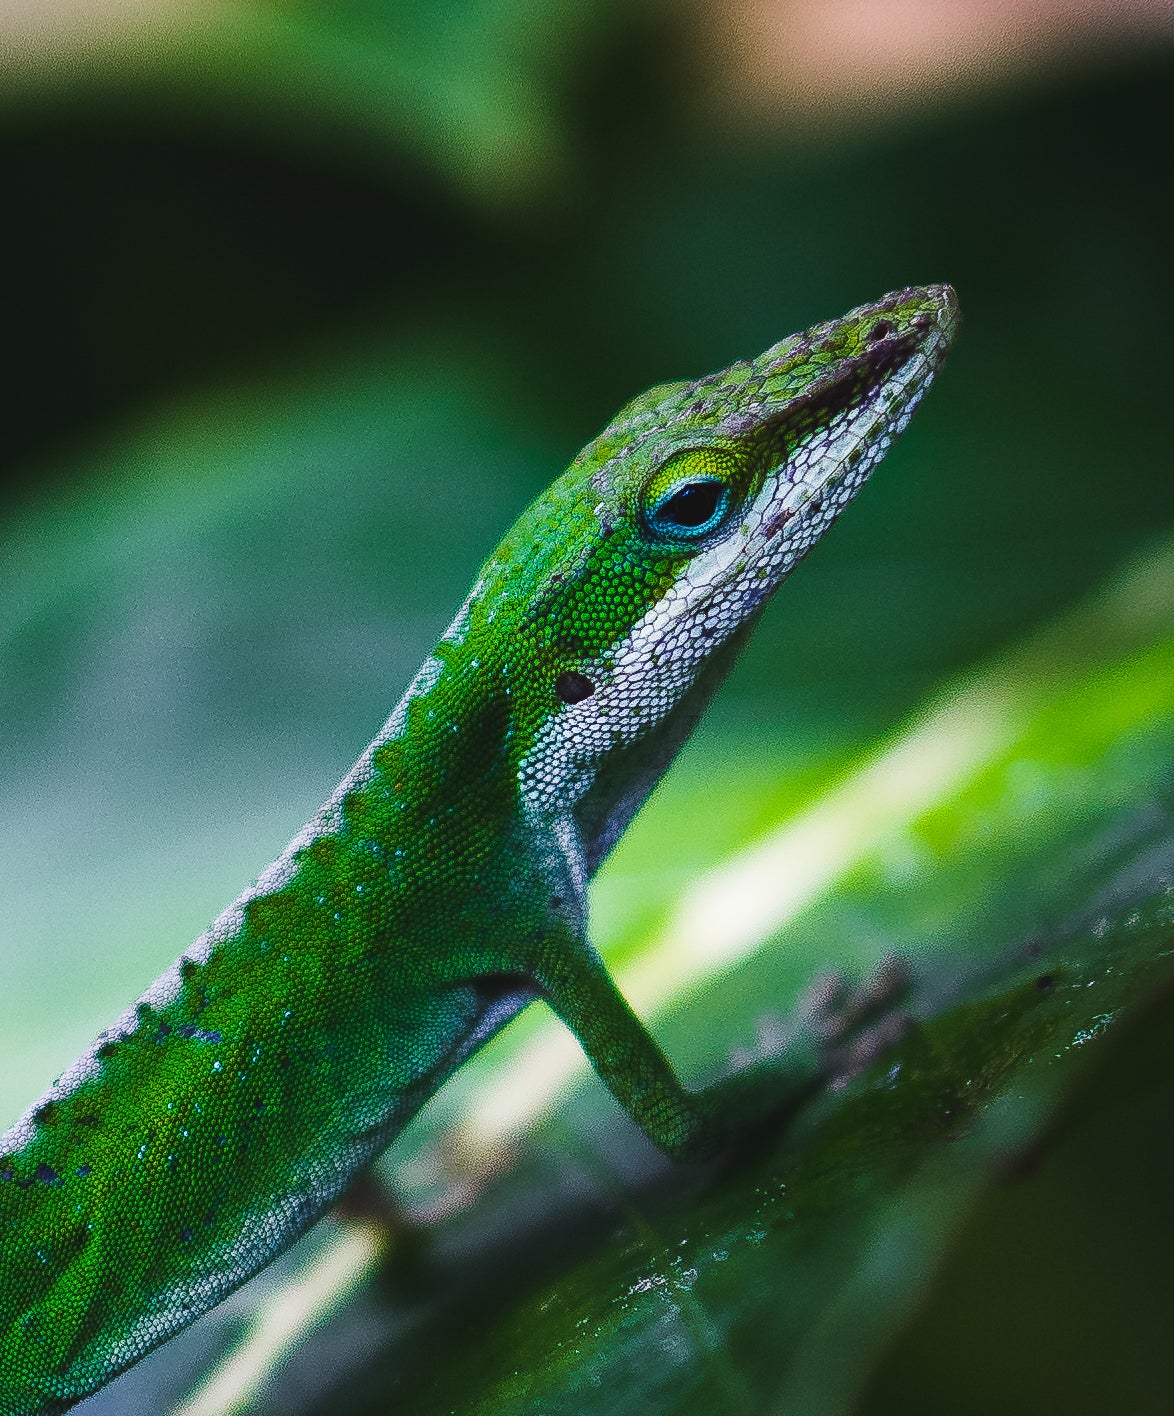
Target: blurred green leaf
470,90
778,1289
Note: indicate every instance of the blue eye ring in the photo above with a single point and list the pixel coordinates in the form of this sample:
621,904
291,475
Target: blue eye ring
692,494
690,507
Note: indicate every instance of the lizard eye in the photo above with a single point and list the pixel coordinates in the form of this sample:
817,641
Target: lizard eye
691,507
688,498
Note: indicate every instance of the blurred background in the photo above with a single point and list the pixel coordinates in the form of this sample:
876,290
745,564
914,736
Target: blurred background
305,301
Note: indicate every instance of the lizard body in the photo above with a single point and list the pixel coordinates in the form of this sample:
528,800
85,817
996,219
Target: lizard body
442,886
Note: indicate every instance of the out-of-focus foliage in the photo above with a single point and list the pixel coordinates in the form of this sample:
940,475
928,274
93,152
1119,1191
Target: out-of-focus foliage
468,91
305,303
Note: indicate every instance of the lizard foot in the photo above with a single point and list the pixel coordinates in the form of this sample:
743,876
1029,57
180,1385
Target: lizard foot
849,1025
853,1025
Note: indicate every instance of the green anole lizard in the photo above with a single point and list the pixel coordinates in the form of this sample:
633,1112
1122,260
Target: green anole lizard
442,886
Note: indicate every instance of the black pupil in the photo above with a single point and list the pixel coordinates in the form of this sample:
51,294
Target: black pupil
693,505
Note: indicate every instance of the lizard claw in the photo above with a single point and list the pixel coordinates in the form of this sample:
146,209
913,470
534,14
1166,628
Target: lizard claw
850,1024
855,1025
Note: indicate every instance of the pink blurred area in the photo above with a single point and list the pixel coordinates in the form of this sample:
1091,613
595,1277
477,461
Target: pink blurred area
815,55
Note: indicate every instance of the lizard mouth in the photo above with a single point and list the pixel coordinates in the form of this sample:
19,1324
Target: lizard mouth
902,355
833,434
858,379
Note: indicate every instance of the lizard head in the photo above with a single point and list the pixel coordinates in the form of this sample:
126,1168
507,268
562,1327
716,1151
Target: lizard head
672,528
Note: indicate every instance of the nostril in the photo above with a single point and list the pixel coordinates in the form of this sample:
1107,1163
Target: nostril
881,330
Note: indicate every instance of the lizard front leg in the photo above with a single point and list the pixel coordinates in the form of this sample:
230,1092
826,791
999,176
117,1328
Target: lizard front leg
695,1124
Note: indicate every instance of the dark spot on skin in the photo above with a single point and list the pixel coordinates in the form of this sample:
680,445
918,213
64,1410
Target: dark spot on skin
83,1171
777,522
185,1235
46,1115
187,969
1046,982
47,1175
108,1049
881,330
87,1119
556,900
6,1174
817,506
572,687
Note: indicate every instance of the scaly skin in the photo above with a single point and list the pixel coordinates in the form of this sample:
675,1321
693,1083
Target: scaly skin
442,886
